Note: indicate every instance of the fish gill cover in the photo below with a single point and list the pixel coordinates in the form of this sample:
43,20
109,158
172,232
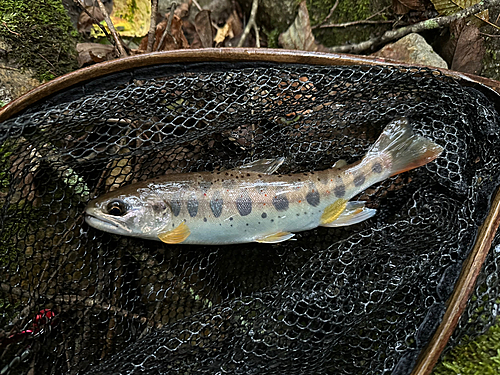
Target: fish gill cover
363,299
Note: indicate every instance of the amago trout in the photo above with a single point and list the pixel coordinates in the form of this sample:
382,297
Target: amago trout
253,204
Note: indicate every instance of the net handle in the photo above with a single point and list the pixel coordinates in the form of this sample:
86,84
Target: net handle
462,291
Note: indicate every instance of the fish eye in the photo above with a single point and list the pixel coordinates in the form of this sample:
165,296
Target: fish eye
116,208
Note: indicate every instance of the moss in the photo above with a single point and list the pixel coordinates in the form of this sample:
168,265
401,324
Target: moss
40,35
272,38
481,356
346,11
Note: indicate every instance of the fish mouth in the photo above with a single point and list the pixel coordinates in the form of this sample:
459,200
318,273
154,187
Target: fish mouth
103,223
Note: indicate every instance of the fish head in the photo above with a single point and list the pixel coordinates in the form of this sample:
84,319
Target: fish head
139,214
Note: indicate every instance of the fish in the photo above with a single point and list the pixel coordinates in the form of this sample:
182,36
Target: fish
254,204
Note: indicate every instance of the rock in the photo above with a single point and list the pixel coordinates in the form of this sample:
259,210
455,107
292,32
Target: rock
412,49
14,82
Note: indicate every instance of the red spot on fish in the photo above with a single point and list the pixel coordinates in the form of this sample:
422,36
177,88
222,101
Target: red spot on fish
300,201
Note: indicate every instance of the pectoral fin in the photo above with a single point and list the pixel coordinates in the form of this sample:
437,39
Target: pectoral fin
275,237
354,212
176,235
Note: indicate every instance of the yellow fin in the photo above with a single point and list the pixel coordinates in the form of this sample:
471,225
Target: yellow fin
275,237
176,235
333,211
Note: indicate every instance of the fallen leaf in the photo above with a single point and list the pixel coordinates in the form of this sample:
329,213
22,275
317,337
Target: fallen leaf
85,22
130,18
182,11
404,6
89,53
174,39
469,50
203,26
236,24
223,33
448,7
299,35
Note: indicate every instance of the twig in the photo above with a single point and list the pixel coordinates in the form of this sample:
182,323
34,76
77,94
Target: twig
490,35
257,40
168,27
367,20
429,24
94,20
8,68
329,15
197,5
352,23
13,32
111,27
250,24
152,27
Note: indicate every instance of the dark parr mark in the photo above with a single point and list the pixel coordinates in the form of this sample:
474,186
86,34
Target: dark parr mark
192,205
359,180
244,203
216,204
377,168
280,202
312,196
339,190
175,203
264,215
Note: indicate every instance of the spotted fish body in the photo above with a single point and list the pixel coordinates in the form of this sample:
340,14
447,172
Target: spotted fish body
253,204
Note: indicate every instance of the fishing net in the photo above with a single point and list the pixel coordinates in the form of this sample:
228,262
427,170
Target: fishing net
363,299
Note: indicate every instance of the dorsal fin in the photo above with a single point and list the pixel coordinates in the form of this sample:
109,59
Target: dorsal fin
265,166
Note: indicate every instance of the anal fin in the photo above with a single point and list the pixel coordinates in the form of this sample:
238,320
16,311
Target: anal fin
355,212
333,211
176,235
275,237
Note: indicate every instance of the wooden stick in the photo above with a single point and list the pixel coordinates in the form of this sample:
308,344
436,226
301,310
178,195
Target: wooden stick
250,24
168,27
429,24
152,26
116,37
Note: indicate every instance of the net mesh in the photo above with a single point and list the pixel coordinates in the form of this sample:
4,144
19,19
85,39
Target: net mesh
363,299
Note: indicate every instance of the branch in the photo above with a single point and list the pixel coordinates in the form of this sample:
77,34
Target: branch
429,24
167,27
152,27
111,27
251,23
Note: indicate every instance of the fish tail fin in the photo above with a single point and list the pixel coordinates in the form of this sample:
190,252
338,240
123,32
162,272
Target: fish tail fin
406,149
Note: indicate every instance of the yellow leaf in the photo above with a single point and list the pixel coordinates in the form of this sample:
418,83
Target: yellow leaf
130,18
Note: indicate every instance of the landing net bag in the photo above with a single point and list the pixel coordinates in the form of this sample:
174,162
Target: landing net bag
363,299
